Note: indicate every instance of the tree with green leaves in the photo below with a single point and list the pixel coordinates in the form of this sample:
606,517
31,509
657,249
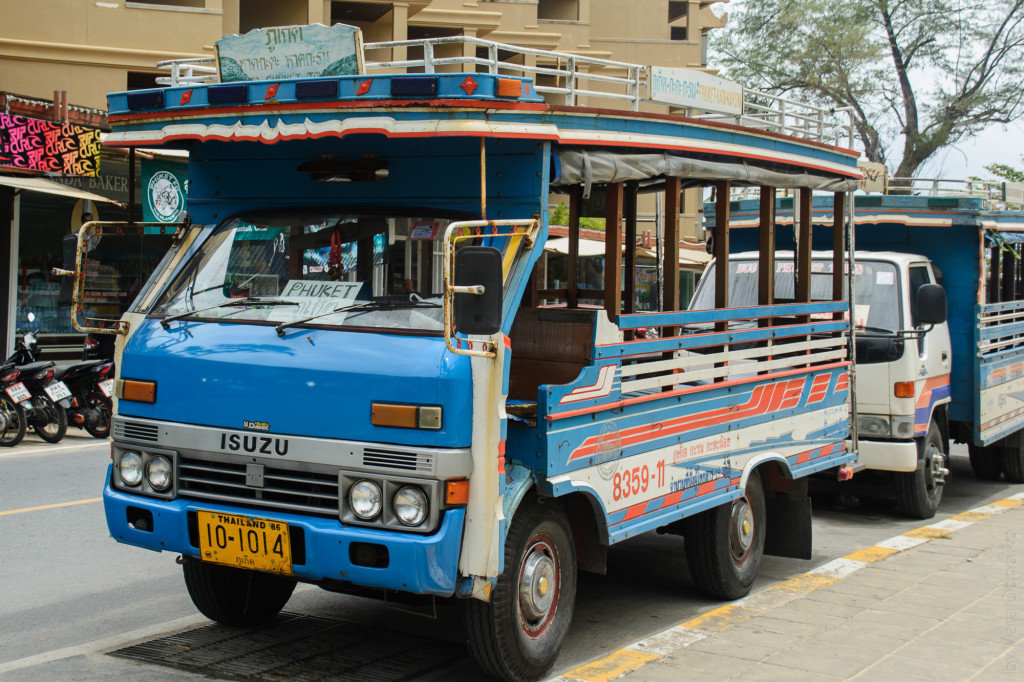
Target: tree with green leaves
921,74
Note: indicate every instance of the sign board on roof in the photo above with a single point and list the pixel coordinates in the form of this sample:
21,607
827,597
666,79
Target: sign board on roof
291,52
35,144
693,89
1013,193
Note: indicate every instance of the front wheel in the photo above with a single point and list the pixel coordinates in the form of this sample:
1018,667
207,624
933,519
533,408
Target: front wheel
56,424
234,596
518,634
919,492
986,462
1013,459
724,545
12,422
99,425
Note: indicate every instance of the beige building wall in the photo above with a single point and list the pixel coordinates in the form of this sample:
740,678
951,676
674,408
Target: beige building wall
92,47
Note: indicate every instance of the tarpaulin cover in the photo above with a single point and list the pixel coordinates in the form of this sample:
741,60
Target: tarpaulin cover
1003,237
573,167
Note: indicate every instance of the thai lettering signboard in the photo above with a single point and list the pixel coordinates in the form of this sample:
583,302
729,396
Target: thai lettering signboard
35,144
291,52
693,89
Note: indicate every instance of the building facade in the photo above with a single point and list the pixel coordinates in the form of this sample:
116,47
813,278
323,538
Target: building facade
76,51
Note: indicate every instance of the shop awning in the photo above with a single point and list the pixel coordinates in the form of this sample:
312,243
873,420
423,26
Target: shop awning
51,187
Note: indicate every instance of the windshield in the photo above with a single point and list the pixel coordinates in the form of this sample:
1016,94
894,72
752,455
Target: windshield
876,305
321,270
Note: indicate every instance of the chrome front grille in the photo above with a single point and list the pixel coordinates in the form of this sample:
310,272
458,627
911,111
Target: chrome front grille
399,461
142,431
308,492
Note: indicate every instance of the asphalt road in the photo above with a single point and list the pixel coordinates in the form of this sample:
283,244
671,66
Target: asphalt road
70,594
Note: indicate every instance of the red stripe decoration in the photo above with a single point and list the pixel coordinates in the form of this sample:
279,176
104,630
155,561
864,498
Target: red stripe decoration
819,389
763,399
843,382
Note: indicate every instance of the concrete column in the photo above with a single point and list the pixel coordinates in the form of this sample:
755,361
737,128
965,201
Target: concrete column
229,20
399,29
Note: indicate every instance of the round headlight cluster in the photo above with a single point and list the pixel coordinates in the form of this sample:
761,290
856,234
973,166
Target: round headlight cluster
131,468
410,506
159,473
364,498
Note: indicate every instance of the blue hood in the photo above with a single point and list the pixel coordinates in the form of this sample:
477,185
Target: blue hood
316,383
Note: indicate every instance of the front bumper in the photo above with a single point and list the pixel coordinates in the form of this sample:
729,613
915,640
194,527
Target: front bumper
420,564
887,455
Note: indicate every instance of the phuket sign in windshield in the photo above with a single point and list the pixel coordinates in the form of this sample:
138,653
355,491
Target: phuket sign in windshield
291,52
688,88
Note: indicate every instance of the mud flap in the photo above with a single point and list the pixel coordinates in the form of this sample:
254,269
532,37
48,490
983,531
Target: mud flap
788,526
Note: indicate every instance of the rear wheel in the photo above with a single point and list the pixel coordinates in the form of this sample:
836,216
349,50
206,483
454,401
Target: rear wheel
55,425
919,492
99,427
234,596
1013,459
518,634
986,461
724,545
12,422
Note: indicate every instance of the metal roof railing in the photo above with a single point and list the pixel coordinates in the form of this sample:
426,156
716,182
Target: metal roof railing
570,77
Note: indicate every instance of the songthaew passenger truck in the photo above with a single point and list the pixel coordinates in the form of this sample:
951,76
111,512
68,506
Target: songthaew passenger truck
345,371
923,381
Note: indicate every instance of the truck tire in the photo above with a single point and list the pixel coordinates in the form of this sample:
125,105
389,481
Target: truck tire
1013,460
919,492
724,545
234,596
986,461
518,634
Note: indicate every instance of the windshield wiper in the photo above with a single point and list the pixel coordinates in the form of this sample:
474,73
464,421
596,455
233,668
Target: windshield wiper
364,306
238,302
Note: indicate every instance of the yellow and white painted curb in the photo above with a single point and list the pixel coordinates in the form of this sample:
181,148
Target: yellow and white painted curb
657,646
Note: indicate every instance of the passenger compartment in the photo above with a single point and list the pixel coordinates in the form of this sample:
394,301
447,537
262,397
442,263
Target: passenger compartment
549,346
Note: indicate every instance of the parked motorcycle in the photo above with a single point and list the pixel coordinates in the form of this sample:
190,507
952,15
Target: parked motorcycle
91,384
15,399
49,398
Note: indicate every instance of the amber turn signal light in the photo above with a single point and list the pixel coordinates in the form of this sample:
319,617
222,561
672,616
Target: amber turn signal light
456,492
406,416
903,389
139,391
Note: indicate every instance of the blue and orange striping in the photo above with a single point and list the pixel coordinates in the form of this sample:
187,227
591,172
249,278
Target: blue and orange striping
936,390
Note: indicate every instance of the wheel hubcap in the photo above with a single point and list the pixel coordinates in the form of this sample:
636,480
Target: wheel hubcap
935,461
538,586
741,528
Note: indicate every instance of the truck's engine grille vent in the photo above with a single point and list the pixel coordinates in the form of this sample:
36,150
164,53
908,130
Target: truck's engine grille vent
400,461
127,430
283,489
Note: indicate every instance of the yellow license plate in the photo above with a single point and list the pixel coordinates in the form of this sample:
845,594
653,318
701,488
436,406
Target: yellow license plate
245,542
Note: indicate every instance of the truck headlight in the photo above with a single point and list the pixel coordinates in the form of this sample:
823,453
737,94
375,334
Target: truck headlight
410,506
868,425
903,427
130,468
364,499
160,473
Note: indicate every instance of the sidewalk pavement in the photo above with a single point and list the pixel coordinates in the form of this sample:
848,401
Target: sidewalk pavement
942,602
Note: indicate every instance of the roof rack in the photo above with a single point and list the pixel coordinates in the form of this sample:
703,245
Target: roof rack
573,77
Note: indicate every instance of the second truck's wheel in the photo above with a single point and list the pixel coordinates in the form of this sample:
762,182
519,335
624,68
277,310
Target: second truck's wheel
724,545
518,634
1013,459
234,596
919,492
986,461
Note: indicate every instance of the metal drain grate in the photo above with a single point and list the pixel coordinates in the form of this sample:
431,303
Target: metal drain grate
299,649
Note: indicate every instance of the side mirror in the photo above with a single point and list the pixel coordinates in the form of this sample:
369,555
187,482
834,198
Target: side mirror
478,313
931,304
